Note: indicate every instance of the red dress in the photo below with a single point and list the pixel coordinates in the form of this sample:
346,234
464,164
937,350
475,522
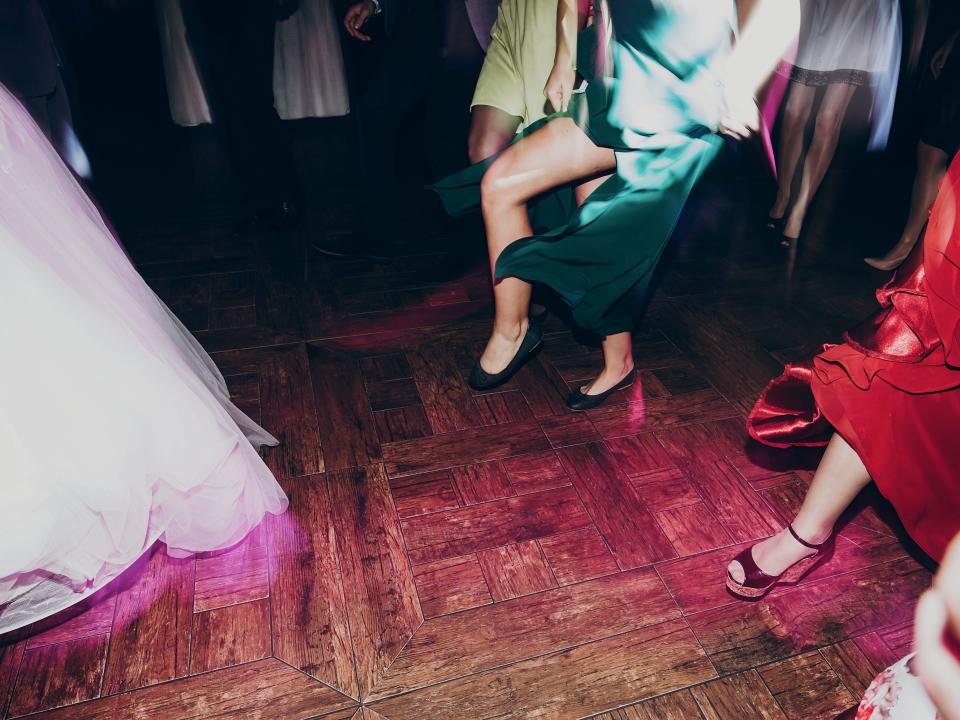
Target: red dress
892,388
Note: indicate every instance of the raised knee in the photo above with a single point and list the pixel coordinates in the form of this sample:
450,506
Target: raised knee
479,147
495,192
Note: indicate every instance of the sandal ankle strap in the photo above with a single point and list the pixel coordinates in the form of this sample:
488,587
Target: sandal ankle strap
803,542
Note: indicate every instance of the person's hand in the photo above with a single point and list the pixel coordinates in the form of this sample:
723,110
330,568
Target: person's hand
940,57
740,119
357,16
937,636
559,87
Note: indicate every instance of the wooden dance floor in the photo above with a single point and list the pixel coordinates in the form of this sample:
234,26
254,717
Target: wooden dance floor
449,554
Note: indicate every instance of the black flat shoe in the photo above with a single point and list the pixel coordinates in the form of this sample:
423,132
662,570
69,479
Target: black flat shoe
775,225
480,379
580,401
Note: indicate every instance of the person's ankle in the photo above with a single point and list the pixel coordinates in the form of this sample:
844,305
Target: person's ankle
511,332
813,533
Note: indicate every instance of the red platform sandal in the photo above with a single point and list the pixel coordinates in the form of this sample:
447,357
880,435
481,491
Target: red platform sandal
756,583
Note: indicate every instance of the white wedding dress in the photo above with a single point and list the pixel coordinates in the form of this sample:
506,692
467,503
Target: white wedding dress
116,428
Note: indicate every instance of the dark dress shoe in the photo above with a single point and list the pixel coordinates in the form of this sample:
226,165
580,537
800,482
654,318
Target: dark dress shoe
480,379
580,401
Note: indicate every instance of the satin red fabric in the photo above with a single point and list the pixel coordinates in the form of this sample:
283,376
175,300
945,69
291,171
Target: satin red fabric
892,388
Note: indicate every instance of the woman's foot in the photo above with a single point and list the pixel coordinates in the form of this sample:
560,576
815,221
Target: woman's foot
590,396
608,379
785,557
893,259
502,347
507,355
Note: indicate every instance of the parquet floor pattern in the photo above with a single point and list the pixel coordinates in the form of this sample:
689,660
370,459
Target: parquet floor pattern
452,554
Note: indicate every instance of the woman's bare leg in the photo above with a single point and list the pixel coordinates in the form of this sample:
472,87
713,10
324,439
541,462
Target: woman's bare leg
839,478
556,154
822,149
617,349
491,130
796,114
932,165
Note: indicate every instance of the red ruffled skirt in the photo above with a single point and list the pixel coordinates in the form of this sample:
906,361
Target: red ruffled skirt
892,388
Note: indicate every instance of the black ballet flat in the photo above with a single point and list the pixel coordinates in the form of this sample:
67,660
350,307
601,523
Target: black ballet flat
580,401
775,225
480,379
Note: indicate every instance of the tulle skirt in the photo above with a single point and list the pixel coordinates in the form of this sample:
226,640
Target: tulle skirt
116,428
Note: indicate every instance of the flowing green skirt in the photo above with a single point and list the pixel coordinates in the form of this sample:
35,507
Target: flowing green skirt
601,256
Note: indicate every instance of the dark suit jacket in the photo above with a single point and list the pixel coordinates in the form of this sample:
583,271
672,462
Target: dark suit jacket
29,62
482,14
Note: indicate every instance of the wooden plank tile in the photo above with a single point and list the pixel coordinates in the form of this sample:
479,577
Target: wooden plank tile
288,408
530,626
693,529
876,650
384,368
391,394
742,696
457,532
93,617
427,493
761,477
722,350
482,482
899,637
377,578
230,636
104,709
638,454
476,445
515,570
52,676
661,413
666,489
503,407
737,505
820,613
309,627
854,668
11,655
238,575
675,706
568,684
681,379
262,690
568,429
406,423
694,445
631,532
151,630
542,388
446,399
807,688
579,555
346,426
536,471
451,585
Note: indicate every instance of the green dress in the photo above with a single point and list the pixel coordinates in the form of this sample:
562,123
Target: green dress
654,97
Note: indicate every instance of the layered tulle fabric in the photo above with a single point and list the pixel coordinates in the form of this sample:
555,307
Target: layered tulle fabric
892,388
116,428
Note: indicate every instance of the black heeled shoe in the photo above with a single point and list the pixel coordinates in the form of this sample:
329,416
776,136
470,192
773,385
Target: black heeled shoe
580,401
756,583
480,379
